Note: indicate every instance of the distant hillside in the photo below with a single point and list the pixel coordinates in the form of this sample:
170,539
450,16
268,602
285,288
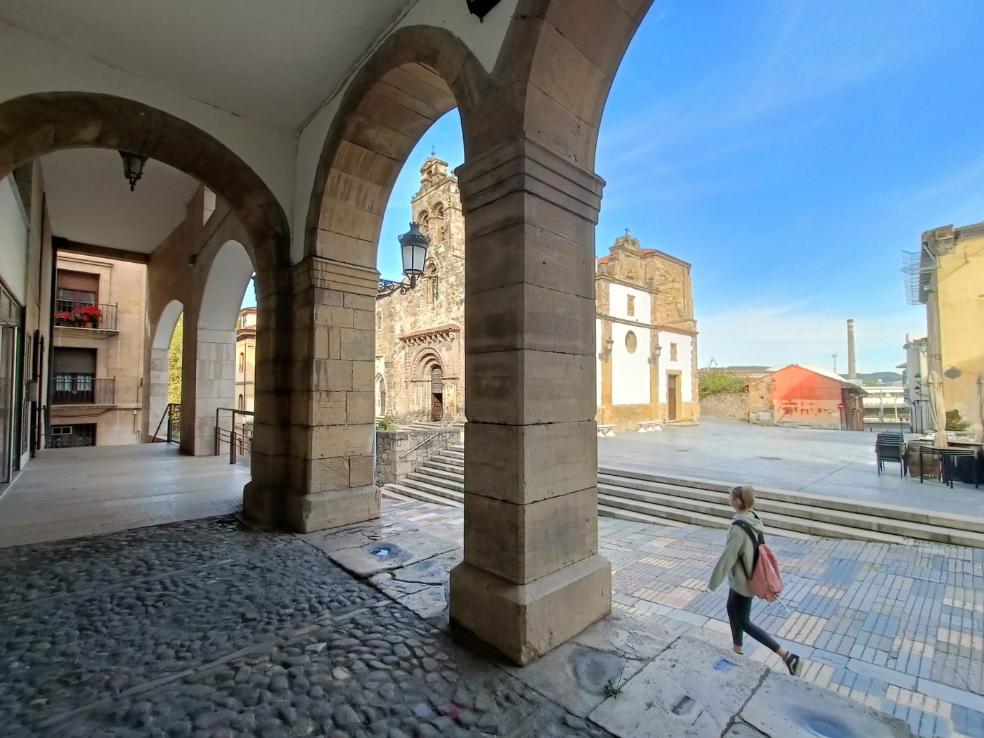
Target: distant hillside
878,378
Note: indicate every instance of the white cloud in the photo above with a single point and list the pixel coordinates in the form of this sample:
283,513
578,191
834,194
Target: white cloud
795,334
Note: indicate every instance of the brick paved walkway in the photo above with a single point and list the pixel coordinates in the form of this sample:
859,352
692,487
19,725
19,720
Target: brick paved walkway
897,628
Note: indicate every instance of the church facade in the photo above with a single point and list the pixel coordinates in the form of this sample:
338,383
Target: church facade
645,328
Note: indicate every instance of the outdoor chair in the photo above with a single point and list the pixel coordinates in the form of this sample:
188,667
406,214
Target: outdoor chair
890,447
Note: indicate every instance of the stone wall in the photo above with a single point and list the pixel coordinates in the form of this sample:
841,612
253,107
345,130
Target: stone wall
399,452
731,405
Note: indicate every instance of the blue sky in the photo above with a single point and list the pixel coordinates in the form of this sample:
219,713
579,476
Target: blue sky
790,151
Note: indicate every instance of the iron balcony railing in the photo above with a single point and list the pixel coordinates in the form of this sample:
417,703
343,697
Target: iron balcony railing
81,314
83,389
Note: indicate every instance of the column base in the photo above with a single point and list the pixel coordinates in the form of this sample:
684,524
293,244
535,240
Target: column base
525,621
332,509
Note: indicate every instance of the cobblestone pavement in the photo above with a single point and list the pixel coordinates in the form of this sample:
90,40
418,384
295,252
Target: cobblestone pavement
897,628
203,629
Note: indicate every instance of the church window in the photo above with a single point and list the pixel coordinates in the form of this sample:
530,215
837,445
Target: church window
630,307
673,352
631,342
435,290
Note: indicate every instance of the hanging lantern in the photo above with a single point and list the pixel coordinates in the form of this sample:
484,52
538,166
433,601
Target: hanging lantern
133,165
413,245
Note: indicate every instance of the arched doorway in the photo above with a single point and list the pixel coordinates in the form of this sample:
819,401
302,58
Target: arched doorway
165,368
215,358
437,393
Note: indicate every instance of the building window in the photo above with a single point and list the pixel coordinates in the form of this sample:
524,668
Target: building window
673,352
630,307
242,402
75,290
631,342
435,290
242,362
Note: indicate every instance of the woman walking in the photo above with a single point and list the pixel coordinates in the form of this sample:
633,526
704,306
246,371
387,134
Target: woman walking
737,562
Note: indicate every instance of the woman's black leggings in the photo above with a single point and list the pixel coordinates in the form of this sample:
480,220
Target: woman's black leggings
740,617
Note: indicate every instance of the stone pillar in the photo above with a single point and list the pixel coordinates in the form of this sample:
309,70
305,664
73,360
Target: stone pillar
159,378
215,383
332,418
531,577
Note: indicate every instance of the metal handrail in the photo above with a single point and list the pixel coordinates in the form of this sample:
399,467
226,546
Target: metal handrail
173,409
426,440
245,443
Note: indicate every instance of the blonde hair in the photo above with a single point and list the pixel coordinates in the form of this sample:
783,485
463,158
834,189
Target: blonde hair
745,495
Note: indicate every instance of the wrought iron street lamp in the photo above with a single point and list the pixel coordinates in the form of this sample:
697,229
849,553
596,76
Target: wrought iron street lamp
413,249
654,356
607,351
133,166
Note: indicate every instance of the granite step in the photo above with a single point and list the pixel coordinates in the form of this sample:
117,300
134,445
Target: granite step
435,490
440,472
422,476
889,519
403,492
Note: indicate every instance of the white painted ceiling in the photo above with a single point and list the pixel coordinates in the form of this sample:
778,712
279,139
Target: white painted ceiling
90,201
268,60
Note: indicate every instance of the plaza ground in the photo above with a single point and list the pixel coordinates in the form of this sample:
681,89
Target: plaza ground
823,462
204,628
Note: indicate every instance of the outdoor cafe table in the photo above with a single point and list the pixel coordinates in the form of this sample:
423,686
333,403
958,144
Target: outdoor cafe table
945,453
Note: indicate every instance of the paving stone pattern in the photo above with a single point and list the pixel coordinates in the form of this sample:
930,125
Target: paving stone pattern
204,629
896,628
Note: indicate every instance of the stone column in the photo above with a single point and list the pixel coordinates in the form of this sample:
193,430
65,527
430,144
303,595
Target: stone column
332,418
215,383
531,576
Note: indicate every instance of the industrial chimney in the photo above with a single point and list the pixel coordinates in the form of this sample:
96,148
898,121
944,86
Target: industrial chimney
852,372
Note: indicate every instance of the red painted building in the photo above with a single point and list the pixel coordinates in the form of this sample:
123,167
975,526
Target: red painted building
803,395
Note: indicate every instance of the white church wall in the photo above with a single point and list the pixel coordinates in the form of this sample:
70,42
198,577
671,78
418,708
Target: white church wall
683,363
630,368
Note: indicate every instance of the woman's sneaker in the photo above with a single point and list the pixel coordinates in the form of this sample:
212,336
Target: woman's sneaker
793,663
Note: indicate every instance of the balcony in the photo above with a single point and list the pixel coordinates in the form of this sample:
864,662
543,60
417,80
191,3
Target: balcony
78,315
83,389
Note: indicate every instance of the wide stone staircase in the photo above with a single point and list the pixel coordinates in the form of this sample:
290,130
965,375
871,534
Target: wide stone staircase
674,501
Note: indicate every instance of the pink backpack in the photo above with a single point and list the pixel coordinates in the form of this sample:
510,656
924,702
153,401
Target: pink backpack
764,581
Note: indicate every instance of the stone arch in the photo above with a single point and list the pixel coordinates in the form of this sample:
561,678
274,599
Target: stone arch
159,363
41,123
229,272
422,363
416,75
566,54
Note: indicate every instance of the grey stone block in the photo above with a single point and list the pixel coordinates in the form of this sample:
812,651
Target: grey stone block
691,690
793,708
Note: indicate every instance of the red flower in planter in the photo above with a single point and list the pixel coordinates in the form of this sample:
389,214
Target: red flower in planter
64,318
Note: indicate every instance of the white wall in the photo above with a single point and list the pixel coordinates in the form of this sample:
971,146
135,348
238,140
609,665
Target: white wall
630,371
683,364
484,38
13,239
618,303
31,64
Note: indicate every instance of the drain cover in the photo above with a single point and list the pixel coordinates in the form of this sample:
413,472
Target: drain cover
826,727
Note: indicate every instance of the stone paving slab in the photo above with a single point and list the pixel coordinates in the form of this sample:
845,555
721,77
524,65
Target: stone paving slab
798,709
689,690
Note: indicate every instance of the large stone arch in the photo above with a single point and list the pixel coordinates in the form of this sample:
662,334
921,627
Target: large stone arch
41,123
416,75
